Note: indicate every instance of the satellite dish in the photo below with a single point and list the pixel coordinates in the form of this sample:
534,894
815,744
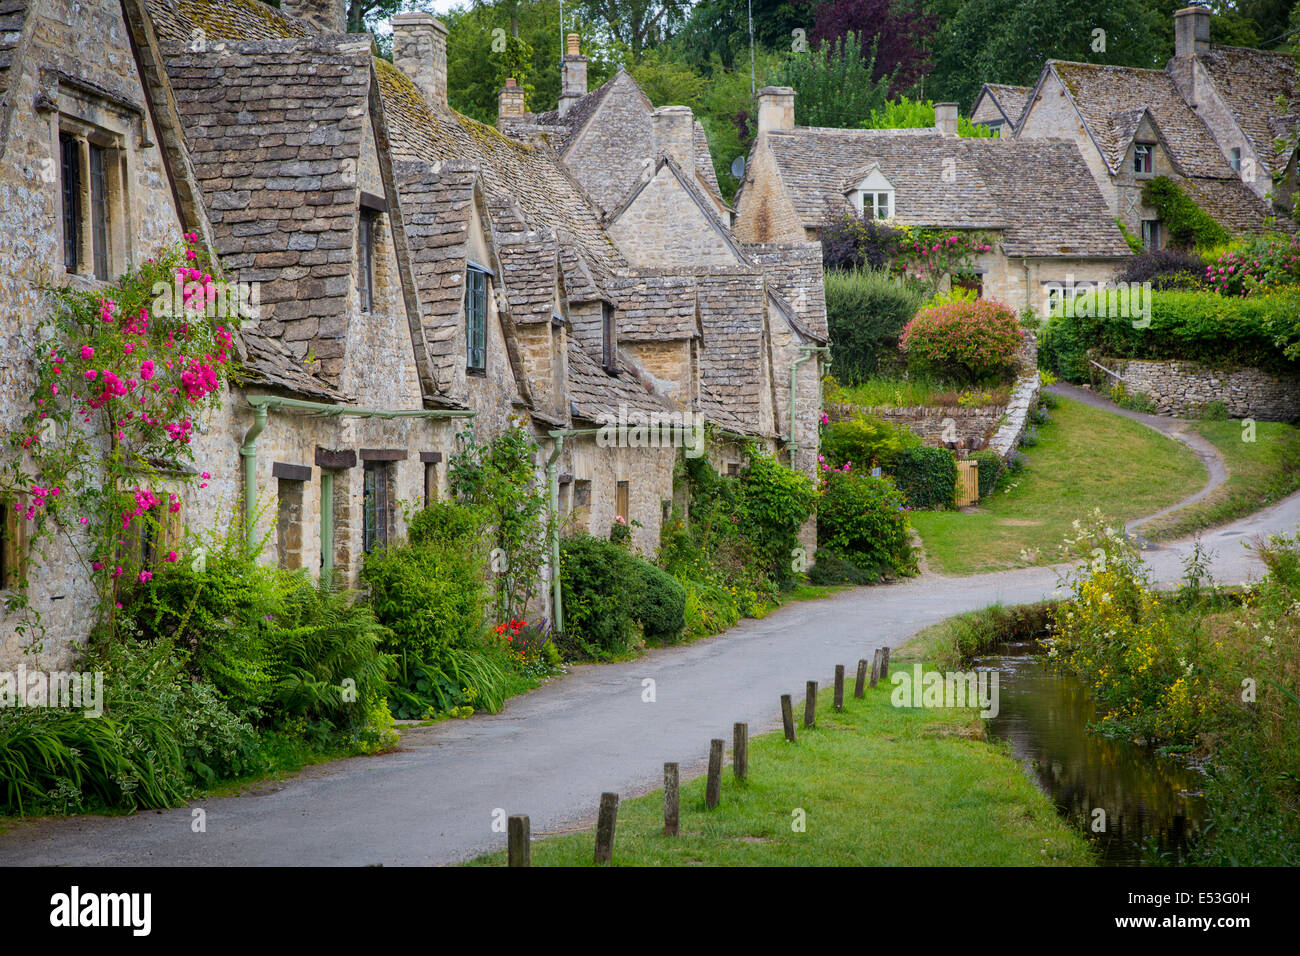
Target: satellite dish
738,167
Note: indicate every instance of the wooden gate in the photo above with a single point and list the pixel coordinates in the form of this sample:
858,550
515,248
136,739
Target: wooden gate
968,483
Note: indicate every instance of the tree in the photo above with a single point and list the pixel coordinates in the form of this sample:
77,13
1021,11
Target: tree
1007,41
637,24
898,31
835,84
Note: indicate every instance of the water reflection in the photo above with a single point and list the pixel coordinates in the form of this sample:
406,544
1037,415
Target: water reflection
1148,799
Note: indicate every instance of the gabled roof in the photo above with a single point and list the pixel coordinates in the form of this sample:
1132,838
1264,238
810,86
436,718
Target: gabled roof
529,274
595,396
694,189
1107,99
261,160
1027,188
795,272
1262,90
1010,100
655,307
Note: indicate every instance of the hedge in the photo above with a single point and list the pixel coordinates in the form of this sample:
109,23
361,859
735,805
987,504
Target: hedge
926,476
1196,326
612,597
862,520
990,469
866,311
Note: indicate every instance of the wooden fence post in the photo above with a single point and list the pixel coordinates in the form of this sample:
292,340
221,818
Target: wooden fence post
860,684
839,686
518,850
605,827
740,751
787,717
713,788
810,705
672,800
884,663
875,667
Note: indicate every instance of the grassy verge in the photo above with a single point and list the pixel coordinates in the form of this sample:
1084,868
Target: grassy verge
1085,459
1259,473
897,392
878,786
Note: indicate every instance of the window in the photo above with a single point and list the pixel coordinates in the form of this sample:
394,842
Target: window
609,347
13,531
476,285
1234,158
581,494
430,483
70,181
99,212
366,259
1151,234
876,205
288,523
622,503
376,510
1143,154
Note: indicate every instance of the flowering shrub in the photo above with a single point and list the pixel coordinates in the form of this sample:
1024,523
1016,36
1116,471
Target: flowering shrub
1262,266
123,376
968,340
863,520
529,647
931,256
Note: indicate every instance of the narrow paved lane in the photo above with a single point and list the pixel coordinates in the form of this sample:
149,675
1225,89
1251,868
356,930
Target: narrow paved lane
552,752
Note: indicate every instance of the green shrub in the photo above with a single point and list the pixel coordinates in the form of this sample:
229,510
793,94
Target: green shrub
866,311
927,477
990,470
865,441
965,340
1188,224
599,581
448,523
863,520
832,569
776,502
432,598
660,604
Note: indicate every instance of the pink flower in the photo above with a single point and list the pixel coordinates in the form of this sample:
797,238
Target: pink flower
91,374
172,556
206,475
98,566
145,576
117,571
87,352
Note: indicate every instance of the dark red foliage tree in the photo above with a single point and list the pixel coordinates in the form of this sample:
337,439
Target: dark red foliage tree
901,30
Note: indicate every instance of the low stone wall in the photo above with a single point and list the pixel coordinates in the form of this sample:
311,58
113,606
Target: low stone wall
1023,399
1184,389
937,426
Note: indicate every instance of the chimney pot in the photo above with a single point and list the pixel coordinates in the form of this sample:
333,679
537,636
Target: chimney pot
775,108
1191,31
571,42
420,51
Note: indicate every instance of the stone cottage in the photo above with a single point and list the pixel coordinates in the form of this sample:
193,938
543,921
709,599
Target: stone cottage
1035,198
418,275
1208,121
998,106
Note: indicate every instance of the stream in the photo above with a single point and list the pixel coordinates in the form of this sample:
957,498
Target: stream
1152,803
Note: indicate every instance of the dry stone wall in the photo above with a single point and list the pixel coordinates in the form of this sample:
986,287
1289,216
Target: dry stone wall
1184,389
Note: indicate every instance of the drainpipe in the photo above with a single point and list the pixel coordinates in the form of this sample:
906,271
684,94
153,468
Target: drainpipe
249,452
808,352
327,526
553,486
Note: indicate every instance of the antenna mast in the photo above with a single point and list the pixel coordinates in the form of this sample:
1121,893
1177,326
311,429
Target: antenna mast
753,86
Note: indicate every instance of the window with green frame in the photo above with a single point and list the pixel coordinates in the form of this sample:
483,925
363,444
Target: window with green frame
476,298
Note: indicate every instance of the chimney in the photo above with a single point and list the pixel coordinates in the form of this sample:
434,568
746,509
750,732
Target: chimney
1191,31
945,118
510,102
775,108
573,75
420,51
323,16
674,128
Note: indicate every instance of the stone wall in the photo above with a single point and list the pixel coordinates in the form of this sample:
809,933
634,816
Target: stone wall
972,427
1024,396
1184,388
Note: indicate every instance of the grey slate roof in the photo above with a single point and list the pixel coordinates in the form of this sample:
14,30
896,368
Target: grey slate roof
1109,98
267,361
595,396
732,307
655,307
1033,190
270,126
795,271
1010,99
1262,89
529,262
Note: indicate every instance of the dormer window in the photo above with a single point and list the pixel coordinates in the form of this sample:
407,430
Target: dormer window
873,197
1143,158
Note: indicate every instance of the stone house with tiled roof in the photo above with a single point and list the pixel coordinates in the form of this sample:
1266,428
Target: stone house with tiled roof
417,272
998,106
1208,121
1035,198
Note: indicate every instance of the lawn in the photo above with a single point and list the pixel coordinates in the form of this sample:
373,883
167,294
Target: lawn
895,392
1085,459
878,786
1259,473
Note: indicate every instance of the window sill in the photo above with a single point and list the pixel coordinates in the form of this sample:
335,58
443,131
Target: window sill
476,372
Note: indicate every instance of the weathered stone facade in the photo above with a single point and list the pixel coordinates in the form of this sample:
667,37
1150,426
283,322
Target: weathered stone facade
1185,389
